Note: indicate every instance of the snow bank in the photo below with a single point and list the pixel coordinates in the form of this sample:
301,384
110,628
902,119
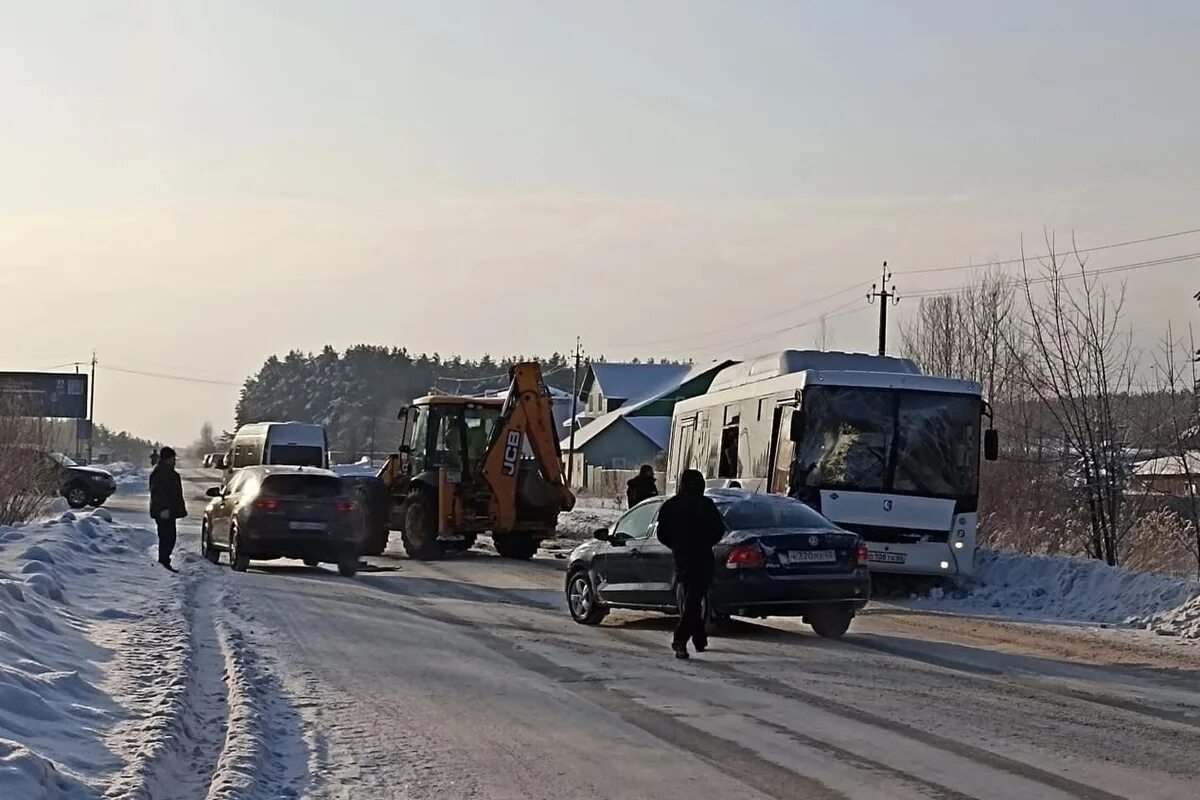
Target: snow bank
589,514
1076,590
130,478
57,579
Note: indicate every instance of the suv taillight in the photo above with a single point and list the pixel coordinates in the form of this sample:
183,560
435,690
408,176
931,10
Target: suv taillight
744,556
862,554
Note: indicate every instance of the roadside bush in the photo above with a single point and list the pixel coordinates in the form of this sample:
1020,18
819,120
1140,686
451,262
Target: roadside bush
27,483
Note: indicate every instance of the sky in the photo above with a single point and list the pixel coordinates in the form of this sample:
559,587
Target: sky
190,187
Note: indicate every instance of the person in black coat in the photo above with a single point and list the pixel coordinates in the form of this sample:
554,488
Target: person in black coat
690,524
166,503
641,487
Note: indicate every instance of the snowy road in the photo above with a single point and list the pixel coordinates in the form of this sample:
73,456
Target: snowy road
467,678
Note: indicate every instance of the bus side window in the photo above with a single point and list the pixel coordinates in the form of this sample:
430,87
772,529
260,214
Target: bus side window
727,467
785,450
687,442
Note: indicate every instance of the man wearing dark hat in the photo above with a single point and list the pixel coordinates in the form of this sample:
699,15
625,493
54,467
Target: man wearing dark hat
690,524
166,503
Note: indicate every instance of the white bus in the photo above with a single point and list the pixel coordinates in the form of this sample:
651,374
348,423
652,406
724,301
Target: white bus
868,441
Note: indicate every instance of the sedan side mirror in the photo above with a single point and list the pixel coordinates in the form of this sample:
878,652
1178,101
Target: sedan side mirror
991,444
213,491
601,534
618,539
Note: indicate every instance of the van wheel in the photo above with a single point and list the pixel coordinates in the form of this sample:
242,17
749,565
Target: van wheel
420,529
830,622
238,559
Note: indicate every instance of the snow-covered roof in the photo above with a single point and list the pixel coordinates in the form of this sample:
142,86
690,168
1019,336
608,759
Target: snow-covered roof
631,382
1178,464
656,429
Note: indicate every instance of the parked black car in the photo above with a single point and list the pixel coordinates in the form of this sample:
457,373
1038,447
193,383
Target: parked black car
780,558
267,512
82,486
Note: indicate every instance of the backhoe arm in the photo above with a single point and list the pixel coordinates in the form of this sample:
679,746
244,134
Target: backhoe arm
527,416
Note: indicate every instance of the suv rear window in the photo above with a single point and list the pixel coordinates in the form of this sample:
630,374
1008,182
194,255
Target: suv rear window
302,486
296,455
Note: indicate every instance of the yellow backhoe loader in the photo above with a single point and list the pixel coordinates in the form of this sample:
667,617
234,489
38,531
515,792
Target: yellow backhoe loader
470,465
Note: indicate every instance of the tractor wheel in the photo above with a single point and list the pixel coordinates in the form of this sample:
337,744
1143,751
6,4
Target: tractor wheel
515,545
420,529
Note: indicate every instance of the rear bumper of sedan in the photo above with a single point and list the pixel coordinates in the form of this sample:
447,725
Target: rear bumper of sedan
278,541
761,594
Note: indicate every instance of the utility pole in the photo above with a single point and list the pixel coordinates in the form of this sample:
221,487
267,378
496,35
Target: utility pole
92,409
574,410
880,290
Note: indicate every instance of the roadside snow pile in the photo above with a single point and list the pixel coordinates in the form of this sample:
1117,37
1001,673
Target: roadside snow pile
581,522
1076,590
57,580
130,478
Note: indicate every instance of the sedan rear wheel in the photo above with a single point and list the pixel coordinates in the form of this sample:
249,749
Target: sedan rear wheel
584,605
207,548
830,622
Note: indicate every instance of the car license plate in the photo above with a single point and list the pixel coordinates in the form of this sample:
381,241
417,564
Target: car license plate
811,557
307,526
886,558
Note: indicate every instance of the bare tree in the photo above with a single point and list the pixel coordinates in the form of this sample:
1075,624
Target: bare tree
1080,367
1176,421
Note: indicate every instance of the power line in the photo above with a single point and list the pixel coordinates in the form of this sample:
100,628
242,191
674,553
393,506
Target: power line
1138,265
165,376
1081,250
845,309
692,337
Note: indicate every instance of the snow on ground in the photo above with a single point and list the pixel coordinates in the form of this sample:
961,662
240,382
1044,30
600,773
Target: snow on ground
120,679
1061,589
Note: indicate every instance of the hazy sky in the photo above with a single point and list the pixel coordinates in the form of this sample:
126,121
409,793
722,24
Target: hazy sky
188,187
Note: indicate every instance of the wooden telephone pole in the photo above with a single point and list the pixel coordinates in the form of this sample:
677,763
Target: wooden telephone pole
880,290
574,410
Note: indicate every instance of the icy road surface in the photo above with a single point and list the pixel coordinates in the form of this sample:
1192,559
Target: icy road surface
466,678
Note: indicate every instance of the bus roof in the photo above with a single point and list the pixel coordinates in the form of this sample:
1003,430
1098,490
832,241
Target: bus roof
789,384
455,400
789,362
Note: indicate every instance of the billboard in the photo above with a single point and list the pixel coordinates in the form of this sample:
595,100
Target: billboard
43,394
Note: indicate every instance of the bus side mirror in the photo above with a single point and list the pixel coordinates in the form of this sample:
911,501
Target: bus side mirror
402,413
797,432
991,444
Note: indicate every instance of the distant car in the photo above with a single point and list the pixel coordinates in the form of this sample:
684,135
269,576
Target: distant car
82,486
283,512
780,558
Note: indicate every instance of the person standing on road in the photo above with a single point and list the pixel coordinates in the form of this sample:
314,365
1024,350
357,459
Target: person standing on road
154,457
690,524
641,487
166,503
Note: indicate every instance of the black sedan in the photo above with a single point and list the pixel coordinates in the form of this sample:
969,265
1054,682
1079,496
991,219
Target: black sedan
780,558
283,512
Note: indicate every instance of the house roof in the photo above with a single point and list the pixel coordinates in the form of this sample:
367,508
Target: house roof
656,428
635,381
1178,464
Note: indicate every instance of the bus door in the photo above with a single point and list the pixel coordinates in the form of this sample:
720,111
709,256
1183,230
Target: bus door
783,451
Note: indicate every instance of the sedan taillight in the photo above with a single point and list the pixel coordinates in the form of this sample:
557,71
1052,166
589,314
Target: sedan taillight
346,506
267,504
862,554
744,556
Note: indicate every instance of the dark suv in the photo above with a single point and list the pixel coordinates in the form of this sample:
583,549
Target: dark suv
267,512
82,486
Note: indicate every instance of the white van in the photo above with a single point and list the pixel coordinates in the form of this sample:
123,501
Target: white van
296,444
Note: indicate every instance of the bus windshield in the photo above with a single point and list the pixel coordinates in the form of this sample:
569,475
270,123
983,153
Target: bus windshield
877,440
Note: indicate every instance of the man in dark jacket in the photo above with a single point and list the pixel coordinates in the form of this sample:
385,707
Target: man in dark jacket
166,503
690,524
642,487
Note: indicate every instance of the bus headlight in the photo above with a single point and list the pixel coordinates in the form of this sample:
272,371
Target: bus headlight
945,565
958,545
